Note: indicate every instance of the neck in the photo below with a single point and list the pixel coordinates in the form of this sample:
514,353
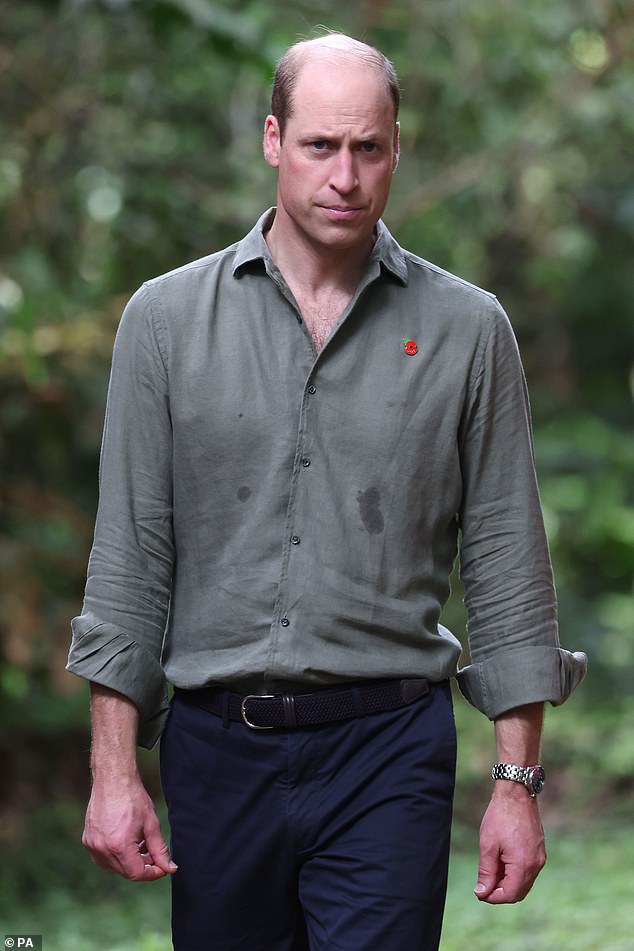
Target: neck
314,266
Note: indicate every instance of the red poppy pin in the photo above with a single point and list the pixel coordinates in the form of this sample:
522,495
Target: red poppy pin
410,346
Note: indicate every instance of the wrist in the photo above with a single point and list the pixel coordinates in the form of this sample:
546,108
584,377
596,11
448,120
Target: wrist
507,791
531,778
116,774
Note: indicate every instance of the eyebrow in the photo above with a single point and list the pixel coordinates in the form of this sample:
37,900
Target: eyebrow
333,136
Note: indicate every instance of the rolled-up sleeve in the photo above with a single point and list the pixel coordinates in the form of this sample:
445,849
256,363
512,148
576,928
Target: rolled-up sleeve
516,657
118,637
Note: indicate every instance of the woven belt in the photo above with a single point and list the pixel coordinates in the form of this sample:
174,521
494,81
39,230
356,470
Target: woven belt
288,711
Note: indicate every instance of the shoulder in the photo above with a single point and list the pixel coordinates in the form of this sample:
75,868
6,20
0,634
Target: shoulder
443,283
457,306
181,295
190,275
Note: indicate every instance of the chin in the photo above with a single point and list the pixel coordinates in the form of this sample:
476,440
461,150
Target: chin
344,236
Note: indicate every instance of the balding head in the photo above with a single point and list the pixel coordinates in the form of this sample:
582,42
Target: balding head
330,48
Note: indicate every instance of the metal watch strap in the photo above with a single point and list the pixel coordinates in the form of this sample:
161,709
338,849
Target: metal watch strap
517,774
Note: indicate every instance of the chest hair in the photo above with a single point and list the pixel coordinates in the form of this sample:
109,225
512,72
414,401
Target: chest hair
321,314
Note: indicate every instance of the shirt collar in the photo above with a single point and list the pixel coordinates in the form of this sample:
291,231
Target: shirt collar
253,247
386,251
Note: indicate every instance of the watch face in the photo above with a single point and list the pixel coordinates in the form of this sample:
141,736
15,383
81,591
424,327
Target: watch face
537,779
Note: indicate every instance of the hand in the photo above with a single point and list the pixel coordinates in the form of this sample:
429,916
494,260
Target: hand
122,831
512,851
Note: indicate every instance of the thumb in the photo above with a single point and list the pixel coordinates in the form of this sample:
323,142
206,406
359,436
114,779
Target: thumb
488,878
158,850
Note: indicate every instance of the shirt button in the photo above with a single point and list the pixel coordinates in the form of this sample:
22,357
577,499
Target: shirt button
312,389
305,462
285,622
295,540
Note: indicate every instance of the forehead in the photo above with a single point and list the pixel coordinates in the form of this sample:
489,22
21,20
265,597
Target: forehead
336,88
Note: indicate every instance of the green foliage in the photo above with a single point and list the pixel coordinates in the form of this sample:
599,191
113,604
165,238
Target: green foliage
588,468
566,909
78,907
130,143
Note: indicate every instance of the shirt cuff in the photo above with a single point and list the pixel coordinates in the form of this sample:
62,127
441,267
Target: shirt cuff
102,653
524,675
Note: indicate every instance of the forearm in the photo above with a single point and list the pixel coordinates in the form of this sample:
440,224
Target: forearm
122,831
115,722
511,836
518,735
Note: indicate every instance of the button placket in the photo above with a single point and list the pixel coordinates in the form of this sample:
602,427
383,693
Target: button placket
302,462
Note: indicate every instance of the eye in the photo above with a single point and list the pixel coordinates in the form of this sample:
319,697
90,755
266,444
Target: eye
319,145
369,147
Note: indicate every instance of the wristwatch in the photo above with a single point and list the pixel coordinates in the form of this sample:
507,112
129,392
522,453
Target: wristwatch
532,777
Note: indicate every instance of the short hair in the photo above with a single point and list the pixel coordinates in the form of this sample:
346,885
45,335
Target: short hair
290,65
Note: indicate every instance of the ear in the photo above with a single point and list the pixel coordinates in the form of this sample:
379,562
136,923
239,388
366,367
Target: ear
272,141
397,146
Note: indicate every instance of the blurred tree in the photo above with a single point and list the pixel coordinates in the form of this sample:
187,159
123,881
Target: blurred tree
130,143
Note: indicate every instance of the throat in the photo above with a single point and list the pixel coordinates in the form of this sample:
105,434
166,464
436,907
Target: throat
320,316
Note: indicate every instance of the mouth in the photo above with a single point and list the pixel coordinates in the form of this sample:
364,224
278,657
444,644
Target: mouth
341,212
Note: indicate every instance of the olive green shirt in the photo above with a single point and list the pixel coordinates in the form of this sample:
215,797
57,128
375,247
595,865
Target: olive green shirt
266,510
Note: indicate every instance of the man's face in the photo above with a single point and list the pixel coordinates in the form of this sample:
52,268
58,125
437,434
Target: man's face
337,156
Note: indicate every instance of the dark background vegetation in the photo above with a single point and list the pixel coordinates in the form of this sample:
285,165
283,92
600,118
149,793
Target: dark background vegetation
130,143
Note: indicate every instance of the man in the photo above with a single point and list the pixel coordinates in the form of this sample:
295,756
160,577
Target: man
298,427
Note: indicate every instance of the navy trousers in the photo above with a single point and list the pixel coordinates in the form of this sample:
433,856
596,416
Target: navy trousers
331,837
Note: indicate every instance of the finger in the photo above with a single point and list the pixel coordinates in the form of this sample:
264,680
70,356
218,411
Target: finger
513,887
138,868
150,873
137,863
158,850
143,852
483,890
127,861
505,895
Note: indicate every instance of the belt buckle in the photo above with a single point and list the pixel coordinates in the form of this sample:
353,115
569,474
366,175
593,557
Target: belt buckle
243,712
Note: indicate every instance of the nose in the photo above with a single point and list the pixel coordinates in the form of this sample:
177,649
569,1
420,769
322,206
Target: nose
343,172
